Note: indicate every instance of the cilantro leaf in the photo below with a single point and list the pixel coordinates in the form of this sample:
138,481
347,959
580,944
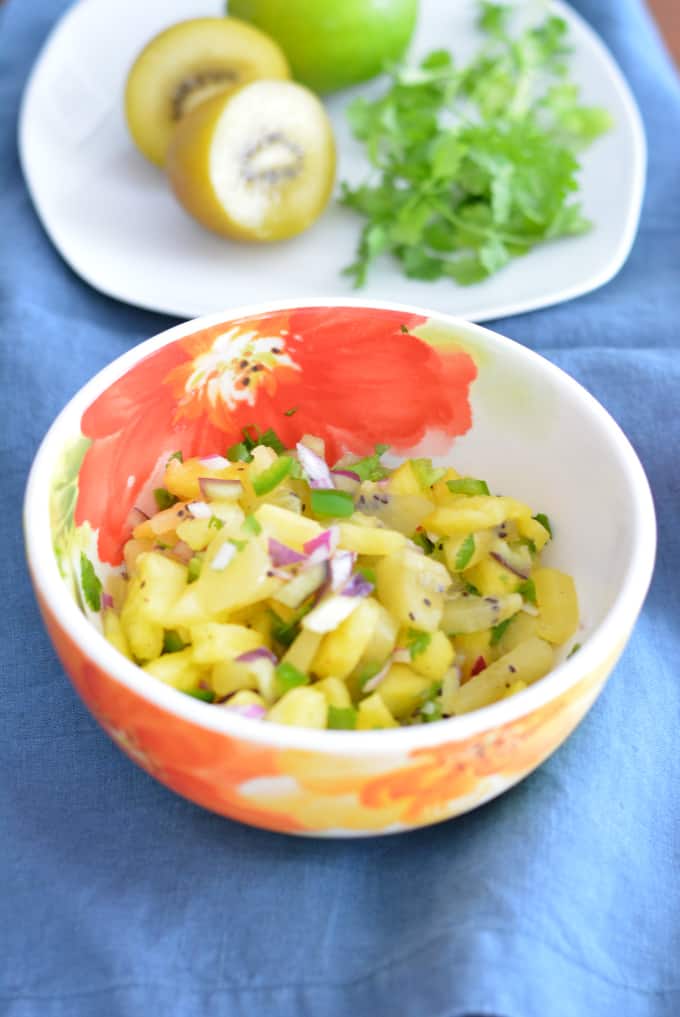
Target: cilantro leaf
91,583
473,166
417,641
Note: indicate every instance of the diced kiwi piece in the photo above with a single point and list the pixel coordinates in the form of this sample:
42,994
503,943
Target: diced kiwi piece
257,164
185,65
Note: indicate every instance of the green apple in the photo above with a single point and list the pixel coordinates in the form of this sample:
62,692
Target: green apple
333,43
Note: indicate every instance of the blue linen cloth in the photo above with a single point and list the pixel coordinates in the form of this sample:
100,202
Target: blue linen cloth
560,899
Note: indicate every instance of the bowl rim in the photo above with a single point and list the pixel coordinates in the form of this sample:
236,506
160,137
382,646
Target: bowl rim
606,641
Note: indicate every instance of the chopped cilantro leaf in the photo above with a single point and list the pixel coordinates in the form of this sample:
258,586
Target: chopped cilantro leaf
207,695
194,569
251,525
575,648
177,455
426,473
528,590
215,523
290,412
498,630
238,544
163,498
172,641
542,518
422,540
342,718
417,641
467,485
288,677
465,552
91,583
470,166
239,453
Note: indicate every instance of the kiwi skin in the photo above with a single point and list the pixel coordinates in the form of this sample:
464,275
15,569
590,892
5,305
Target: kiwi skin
192,53
187,157
187,167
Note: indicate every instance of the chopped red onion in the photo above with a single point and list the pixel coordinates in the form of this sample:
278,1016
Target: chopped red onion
316,469
530,608
215,463
402,656
136,517
261,653
321,548
107,600
506,565
223,557
182,552
357,586
347,473
478,666
199,509
217,489
341,565
282,555
251,710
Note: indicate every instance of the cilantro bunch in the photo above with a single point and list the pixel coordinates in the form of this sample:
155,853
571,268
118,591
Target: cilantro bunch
473,165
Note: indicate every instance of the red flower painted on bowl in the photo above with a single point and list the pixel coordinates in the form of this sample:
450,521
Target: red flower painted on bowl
354,377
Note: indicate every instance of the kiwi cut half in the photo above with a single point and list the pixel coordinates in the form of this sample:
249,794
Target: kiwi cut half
187,64
257,164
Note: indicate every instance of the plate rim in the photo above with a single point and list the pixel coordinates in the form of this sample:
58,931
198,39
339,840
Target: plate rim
610,267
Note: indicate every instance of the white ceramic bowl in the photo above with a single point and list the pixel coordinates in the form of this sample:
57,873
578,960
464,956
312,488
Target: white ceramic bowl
535,434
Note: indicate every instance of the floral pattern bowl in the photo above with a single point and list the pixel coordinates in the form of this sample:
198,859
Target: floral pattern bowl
358,374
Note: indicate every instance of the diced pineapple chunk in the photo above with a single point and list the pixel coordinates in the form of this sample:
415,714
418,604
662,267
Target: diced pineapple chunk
370,539
182,479
245,697
372,713
243,581
411,586
522,627
161,583
287,527
227,676
187,611
492,579
197,533
473,512
456,549
177,669
215,641
557,604
303,650
404,480
473,645
526,663
342,648
531,529
302,707
514,689
435,659
440,491
402,690
468,613
113,631
335,691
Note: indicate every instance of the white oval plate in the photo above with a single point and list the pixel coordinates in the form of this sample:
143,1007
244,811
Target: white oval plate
113,219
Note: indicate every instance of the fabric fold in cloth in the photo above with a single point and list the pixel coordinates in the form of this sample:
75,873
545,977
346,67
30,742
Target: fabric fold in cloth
561,898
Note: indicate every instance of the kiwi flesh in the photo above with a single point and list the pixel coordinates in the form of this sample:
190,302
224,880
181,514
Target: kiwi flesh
187,64
257,164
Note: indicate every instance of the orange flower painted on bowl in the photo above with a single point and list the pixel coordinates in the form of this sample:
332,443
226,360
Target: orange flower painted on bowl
354,376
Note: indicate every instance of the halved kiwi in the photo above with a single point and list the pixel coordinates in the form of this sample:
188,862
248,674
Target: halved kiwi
187,64
257,164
